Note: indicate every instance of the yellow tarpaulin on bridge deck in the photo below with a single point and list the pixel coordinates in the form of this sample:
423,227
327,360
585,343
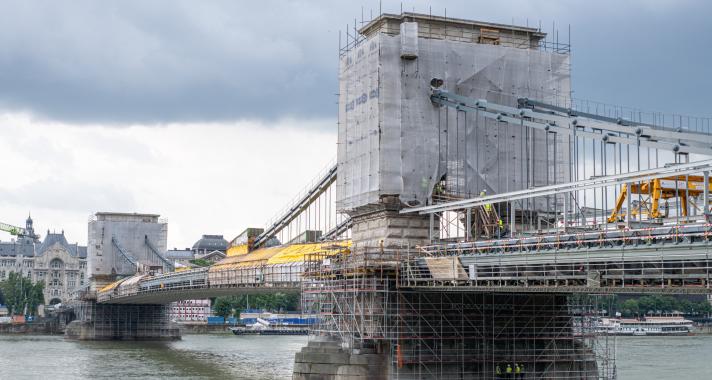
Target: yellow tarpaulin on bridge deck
297,252
113,285
256,257
283,254
238,250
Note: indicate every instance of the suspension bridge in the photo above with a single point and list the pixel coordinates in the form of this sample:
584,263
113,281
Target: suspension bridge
472,199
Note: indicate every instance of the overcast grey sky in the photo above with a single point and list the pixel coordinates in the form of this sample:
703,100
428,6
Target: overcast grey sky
203,110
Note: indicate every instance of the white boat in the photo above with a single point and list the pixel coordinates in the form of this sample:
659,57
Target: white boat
644,326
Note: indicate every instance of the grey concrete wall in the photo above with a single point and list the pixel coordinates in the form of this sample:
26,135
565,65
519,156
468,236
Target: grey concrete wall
130,230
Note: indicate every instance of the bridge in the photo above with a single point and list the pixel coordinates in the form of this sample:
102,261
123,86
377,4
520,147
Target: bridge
473,219
274,269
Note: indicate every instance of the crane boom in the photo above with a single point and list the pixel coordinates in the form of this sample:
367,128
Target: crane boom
13,230
17,231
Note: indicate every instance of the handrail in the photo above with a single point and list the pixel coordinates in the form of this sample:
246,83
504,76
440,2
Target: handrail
538,243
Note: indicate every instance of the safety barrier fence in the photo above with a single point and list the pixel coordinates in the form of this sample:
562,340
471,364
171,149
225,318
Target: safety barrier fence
277,276
663,259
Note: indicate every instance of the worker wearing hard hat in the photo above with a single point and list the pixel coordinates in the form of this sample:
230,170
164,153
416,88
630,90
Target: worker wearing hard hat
487,206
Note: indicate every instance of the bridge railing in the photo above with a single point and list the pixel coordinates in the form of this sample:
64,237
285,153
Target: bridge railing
281,276
572,241
265,275
674,259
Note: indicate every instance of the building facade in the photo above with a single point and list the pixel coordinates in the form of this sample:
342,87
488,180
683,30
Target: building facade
190,311
60,265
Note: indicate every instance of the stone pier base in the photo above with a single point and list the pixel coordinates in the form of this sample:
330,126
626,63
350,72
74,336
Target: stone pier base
383,226
323,358
121,322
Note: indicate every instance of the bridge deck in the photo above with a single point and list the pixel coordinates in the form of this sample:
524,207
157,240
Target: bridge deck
669,259
666,259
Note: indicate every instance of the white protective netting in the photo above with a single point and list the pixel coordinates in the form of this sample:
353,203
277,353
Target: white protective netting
394,141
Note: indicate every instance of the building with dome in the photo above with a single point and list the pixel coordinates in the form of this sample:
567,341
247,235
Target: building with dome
210,247
60,264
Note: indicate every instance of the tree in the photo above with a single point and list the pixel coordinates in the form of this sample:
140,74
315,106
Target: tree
201,262
630,308
19,292
224,306
277,302
704,308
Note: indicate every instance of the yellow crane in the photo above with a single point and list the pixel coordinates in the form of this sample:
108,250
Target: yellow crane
655,190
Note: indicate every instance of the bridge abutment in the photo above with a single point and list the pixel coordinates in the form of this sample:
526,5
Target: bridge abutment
97,321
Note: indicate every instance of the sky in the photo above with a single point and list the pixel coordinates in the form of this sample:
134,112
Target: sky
215,113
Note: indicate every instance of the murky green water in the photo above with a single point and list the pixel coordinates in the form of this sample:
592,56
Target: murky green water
271,357
222,356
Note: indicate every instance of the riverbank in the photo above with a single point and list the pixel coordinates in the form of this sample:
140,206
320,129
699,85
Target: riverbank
36,328
202,328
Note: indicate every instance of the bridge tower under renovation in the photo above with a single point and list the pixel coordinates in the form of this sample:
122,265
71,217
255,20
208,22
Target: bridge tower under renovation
398,149
122,245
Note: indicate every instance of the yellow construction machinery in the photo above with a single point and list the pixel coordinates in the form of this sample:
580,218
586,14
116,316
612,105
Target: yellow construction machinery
18,231
653,191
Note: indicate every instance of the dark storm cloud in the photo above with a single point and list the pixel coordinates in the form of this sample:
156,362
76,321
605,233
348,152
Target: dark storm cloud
119,62
158,61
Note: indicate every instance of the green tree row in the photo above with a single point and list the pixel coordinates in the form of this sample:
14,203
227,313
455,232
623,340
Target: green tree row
19,291
277,302
655,304
644,305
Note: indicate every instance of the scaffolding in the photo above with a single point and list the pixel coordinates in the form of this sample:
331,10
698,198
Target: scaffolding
452,335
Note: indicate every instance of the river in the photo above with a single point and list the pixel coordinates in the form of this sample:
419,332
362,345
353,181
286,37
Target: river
224,356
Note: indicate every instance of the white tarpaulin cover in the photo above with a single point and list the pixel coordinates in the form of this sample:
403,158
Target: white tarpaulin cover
394,141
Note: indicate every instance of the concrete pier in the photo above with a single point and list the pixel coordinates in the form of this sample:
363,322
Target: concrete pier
121,322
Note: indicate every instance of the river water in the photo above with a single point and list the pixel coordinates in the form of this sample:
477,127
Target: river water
224,356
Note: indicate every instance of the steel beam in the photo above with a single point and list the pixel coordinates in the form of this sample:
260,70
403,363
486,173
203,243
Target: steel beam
624,133
593,183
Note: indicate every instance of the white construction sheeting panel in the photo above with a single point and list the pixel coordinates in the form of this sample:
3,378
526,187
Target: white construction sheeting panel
409,40
394,141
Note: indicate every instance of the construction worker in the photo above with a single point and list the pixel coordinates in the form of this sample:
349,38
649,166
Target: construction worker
487,206
498,371
509,371
517,371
